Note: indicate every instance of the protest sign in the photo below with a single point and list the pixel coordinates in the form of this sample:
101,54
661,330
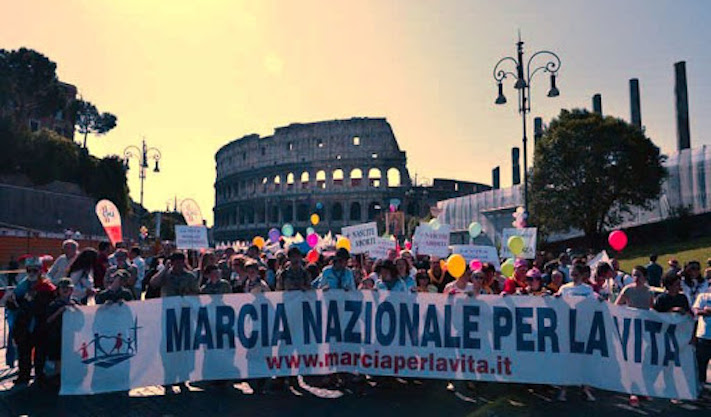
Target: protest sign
482,253
191,237
530,239
191,212
486,338
382,246
363,237
429,241
600,257
110,219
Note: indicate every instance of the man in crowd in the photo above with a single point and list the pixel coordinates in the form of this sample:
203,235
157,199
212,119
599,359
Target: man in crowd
336,276
121,263
60,267
117,291
294,277
654,271
174,279
102,264
135,258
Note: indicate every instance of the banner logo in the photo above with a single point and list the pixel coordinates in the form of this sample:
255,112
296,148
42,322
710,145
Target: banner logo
108,350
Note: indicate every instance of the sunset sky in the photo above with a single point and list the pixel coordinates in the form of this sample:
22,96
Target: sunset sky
192,75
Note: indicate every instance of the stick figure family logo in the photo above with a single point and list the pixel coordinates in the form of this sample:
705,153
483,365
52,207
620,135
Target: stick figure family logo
123,346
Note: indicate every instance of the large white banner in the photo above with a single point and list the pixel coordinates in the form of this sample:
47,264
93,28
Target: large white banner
525,339
530,239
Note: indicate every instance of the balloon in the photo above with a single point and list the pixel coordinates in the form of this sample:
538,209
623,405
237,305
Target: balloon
507,268
475,265
287,230
319,206
274,235
618,240
474,229
345,243
312,239
435,224
258,241
312,256
315,219
516,244
393,208
310,230
408,245
456,265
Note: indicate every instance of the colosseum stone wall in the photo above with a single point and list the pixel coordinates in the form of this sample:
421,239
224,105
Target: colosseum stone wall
353,168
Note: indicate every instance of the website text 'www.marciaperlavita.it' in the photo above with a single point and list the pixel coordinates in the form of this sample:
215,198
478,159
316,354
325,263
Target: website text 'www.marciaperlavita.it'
395,363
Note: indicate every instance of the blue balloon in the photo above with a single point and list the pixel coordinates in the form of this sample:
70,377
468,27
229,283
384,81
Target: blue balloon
319,206
287,230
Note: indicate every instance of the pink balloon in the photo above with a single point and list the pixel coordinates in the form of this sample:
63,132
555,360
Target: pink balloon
408,245
475,265
312,239
618,240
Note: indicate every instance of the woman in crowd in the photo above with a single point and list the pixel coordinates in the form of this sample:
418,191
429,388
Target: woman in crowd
517,283
556,282
403,272
438,277
534,283
423,282
81,271
461,285
388,278
693,283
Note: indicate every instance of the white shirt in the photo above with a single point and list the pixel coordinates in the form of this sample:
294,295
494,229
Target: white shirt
703,330
82,281
59,268
140,265
693,292
570,289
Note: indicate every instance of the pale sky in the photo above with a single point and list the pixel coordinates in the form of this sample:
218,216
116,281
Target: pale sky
192,75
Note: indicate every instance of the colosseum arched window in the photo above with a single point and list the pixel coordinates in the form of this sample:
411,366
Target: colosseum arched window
394,177
265,182
356,177
304,180
338,177
337,212
290,181
373,210
374,177
355,211
277,182
321,179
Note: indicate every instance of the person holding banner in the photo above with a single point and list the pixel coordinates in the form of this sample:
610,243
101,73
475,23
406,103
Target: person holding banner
116,292
423,282
557,278
214,283
174,279
403,272
702,309
294,277
534,282
462,285
438,277
254,284
517,282
388,279
491,284
336,276
693,283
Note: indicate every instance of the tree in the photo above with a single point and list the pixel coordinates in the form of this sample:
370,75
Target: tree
88,119
29,86
589,170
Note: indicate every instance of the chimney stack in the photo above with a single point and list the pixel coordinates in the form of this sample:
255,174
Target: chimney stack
495,184
597,104
635,108
537,131
515,167
683,137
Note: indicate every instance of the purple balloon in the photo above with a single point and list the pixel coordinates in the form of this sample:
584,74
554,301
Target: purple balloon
312,239
274,234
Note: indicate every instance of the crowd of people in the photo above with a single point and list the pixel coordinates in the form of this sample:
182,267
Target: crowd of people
101,276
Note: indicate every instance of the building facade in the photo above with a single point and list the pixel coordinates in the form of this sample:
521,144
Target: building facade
346,171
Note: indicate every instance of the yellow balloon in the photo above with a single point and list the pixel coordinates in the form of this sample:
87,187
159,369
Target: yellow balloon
507,268
516,244
258,241
345,243
315,219
456,265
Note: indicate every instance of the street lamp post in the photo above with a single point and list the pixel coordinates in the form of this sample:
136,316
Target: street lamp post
523,85
142,155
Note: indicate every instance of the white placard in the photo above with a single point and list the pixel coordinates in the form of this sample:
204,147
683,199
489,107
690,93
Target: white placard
363,237
530,237
383,245
482,253
191,237
191,212
428,241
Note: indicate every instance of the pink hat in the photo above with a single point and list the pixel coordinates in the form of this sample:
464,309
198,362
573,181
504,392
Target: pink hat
520,262
533,273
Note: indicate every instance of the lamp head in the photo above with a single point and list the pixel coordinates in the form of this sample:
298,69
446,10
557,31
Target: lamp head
520,84
553,92
501,99
156,169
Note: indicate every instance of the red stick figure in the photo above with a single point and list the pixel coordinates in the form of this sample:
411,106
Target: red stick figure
83,351
117,346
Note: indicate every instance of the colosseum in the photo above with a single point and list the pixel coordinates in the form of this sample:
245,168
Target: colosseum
347,171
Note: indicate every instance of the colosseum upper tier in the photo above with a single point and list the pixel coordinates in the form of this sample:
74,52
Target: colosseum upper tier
347,171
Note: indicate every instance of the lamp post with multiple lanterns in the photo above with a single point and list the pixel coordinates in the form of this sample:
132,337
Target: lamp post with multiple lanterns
142,155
